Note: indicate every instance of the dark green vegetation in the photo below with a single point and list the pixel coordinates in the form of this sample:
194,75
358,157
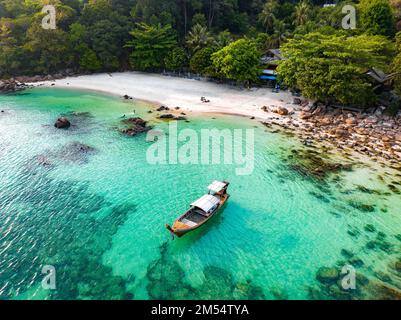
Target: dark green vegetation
220,38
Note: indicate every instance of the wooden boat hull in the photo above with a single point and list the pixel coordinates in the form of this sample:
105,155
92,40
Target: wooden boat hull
180,233
179,230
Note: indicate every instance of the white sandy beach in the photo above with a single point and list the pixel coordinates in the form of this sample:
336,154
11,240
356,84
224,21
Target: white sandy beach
184,93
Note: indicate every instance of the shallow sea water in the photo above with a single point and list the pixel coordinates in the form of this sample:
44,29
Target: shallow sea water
98,216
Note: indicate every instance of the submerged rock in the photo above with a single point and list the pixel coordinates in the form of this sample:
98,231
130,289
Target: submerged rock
43,161
75,152
347,254
356,262
383,291
62,123
311,164
383,276
327,275
81,114
397,266
370,228
362,207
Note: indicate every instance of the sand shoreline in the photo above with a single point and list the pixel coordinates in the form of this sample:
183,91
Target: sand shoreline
180,92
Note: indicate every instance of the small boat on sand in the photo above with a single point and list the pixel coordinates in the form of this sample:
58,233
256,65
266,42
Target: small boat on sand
202,210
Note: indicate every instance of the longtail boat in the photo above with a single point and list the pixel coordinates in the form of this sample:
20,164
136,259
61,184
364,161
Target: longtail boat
202,210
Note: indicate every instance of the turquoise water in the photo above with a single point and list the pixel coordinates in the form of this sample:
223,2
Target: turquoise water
98,216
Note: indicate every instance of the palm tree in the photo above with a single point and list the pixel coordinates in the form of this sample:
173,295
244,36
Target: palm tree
199,37
223,39
302,12
280,34
268,14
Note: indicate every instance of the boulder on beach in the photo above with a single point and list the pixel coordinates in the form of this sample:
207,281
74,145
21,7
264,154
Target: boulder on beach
297,101
305,115
351,121
341,133
12,85
327,275
281,111
62,123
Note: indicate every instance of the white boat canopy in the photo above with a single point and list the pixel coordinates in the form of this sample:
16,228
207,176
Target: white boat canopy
217,186
206,203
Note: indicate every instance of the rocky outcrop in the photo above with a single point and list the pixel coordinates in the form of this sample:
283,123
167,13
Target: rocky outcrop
8,86
162,108
48,77
277,110
297,101
281,111
370,132
167,116
305,115
62,123
172,117
135,126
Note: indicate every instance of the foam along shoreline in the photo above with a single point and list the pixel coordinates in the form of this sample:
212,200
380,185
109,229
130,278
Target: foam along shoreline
372,135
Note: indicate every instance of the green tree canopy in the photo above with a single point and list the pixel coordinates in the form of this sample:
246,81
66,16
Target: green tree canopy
377,17
238,61
199,37
303,11
89,61
201,61
332,68
268,14
150,44
176,59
